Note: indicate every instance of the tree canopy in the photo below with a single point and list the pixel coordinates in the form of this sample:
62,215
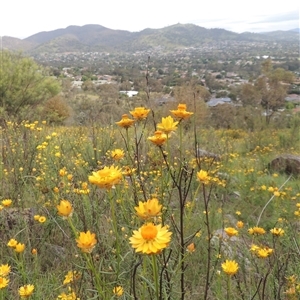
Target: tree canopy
23,85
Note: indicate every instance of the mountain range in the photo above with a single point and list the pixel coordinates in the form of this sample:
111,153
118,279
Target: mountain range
98,38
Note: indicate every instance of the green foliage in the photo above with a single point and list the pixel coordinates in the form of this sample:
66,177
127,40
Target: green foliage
55,110
23,85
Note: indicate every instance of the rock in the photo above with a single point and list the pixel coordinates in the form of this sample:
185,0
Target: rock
286,163
205,154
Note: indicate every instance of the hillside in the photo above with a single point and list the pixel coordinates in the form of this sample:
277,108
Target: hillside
98,38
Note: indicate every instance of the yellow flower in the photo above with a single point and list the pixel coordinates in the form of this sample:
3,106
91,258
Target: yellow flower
36,217
167,125
62,172
86,241
128,171
264,252
150,238
203,177
71,276
12,243
263,187
149,209
181,112
34,251
42,219
118,291
254,248
230,231
70,296
6,202
276,193
277,231
25,291
107,177
140,113
3,282
20,247
65,209
256,230
191,248
125,122
56,190
230,267
240,224
158,138
117,154
4,270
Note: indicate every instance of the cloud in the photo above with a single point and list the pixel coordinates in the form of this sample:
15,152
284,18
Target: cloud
288,16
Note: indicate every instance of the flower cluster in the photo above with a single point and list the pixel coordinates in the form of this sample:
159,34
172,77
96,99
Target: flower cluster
150,238
261,252
256,231
18,247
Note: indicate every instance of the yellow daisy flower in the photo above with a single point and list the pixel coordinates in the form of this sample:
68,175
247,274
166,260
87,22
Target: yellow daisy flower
65,209
107,177
181,112
150,238
230,231
20,247
26,290
230,267
4,270
149,209
140,113
158,138
167,125
118,291
3,282
86,241
117,154
125,122
277,231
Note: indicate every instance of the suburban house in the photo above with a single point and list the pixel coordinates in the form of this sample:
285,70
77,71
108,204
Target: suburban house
216,101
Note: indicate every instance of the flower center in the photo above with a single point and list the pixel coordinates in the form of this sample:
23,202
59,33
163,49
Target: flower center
149,231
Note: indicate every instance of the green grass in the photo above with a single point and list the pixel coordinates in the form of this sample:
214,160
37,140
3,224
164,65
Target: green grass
41,165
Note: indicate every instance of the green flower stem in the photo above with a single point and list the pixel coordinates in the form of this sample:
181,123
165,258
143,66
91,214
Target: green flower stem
155,275
20,263
91,267
72,227
115,228
180,145
228,287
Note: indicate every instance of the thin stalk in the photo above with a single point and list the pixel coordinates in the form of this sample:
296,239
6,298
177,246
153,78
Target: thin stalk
155,276
228,287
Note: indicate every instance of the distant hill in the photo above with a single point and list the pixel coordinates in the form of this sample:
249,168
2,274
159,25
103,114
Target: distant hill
98,38
295,30
282,35
12,43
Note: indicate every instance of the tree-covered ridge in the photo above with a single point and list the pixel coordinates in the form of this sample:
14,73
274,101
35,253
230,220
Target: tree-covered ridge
97,38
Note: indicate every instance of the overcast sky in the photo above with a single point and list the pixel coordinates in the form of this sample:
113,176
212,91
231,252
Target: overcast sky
22,18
